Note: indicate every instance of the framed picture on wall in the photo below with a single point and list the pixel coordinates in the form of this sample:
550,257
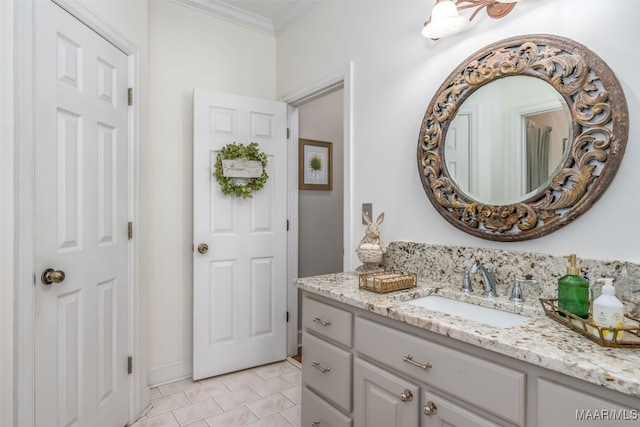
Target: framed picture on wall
315,169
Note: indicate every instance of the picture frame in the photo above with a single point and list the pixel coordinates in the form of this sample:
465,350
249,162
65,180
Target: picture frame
315,165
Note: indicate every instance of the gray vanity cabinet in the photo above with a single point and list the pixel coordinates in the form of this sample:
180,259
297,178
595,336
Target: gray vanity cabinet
364,370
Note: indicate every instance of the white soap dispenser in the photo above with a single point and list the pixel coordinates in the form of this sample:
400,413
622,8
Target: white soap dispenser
608,311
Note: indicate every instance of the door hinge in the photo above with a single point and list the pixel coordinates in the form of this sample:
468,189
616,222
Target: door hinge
129,230
287,317
130,365
130,96
288,134
287,225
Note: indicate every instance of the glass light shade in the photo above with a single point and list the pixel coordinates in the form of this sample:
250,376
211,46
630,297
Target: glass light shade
445,21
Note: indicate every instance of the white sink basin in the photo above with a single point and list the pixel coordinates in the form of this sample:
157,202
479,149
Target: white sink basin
489,316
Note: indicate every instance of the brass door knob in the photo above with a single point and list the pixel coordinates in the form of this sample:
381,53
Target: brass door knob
203,248
50,276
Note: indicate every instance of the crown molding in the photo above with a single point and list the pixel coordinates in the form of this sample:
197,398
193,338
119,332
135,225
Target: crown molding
250,20
231,13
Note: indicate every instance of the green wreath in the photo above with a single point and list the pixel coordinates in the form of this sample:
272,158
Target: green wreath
230,185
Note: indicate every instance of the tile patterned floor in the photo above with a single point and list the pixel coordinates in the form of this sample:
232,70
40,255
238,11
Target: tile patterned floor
266,396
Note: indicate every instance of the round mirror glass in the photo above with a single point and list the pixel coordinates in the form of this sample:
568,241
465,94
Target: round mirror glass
508,139
492,155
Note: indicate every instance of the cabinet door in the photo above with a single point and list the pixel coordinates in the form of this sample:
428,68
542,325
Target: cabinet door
382,399
441,412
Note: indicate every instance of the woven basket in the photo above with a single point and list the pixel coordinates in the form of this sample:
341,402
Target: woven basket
370,256
387,281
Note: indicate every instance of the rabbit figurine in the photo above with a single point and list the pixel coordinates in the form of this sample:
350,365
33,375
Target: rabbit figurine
371,249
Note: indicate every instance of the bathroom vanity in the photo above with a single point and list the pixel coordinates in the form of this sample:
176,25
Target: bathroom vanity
375,360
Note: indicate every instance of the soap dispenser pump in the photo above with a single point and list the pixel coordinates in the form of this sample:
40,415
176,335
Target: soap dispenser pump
608,311
573,291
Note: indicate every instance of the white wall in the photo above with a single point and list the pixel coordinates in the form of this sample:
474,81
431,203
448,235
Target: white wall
189,49
397,72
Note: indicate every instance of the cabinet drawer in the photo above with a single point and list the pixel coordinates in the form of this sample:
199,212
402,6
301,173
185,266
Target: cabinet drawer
316,410
326,320
327,370
563,406
464,376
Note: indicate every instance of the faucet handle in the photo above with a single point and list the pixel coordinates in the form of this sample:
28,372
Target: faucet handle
516,292
466,283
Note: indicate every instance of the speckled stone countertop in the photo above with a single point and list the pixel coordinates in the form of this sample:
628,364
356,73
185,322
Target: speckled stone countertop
540,341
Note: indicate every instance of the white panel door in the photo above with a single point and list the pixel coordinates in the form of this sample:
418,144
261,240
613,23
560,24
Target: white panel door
239,285
81,143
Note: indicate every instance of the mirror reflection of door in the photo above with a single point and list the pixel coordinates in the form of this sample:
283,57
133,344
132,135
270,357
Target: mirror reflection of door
503,163
458,149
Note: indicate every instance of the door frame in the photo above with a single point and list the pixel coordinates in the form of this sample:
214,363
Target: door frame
341,79
24,187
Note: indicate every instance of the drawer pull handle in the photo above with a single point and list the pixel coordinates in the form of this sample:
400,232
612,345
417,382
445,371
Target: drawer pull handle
406,396
430,408
409,359
322,322
320,368
315,423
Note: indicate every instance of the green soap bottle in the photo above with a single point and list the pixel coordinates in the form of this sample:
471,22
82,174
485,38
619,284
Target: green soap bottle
573,291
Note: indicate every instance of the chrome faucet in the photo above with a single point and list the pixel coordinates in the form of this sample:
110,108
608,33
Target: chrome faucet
489,279
466,283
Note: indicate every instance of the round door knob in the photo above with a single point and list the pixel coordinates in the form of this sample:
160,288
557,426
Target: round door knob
50,276
203,248
430,408
406,396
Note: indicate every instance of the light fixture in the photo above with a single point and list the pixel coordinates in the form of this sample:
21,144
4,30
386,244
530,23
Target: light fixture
446,21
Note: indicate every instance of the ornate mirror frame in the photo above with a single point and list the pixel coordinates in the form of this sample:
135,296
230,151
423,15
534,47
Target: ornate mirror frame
600,123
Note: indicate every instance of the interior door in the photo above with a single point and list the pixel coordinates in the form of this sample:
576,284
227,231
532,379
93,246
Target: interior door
81,247
239,277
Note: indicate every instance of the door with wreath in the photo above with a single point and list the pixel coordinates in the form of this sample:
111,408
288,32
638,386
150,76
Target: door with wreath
239,232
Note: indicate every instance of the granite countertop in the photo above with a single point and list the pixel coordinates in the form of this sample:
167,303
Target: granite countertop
540,341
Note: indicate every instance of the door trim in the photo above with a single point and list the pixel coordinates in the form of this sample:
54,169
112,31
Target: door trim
341,79
24,187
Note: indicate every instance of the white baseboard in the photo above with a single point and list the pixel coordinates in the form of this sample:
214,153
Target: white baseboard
170,372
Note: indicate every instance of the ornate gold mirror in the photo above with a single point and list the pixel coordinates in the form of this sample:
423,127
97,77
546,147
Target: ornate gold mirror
522,138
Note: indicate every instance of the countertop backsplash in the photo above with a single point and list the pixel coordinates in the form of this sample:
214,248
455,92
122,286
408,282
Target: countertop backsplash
437,263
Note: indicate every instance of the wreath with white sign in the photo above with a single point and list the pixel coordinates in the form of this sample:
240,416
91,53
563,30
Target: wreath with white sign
240,187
